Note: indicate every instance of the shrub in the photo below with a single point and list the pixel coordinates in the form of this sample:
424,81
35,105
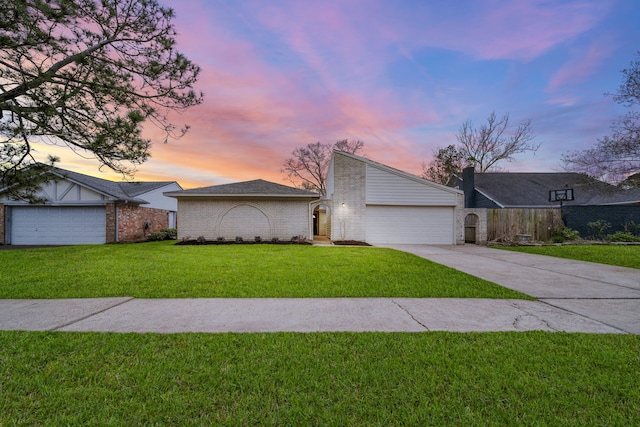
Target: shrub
632,228
621,236
164,234
597,228
565,234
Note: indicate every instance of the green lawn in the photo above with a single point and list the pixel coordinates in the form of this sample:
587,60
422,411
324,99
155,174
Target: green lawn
372,379
620,255
165,270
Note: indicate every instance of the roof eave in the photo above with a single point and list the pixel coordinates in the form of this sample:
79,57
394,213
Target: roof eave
237,196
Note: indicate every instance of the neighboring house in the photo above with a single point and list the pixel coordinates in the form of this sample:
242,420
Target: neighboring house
497,190
371,202
82,209
249,210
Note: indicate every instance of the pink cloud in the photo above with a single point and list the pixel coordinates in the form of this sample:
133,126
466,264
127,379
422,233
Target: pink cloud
498,29
281,74
579,68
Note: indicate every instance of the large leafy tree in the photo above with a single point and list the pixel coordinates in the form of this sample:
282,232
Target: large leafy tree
446,162
307,167
616,156
88,74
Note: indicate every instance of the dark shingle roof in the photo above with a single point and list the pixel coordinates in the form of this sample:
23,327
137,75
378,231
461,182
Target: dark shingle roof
532,189
255,188
124,191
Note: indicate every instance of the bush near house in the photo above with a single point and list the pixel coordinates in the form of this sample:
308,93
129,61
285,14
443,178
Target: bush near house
620,236
164,234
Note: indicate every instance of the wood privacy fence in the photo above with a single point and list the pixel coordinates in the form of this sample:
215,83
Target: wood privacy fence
540,223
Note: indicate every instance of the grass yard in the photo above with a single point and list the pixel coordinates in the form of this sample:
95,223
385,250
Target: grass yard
165,270
372,379
620,255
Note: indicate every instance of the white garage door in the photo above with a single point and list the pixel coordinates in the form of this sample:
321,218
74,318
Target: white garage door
410,225
37,225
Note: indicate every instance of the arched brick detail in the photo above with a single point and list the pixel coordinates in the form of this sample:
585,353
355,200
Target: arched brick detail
246,220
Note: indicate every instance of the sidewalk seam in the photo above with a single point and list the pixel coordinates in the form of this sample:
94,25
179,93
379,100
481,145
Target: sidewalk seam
410,315
91,314
584,315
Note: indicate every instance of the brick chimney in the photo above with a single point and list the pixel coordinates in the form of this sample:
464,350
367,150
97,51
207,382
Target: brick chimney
468,186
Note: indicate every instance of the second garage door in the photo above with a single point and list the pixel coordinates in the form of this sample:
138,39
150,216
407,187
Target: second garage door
409,225
47,225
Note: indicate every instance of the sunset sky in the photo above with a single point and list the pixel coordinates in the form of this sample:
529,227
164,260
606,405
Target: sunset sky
402,76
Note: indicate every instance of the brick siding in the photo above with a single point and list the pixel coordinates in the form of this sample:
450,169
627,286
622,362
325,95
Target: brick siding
2,225
348,199
249,218
111,223
132,220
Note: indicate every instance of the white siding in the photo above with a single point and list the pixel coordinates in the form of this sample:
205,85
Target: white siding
158,200
387,188
410,225
63,191
46,225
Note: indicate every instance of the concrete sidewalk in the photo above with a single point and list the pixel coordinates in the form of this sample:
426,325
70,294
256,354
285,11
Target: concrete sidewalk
295,315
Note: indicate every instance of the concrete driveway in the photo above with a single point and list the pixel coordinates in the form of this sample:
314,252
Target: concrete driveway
599,292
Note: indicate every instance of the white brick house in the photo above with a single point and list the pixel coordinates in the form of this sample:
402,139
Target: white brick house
366,201
378,204
246,209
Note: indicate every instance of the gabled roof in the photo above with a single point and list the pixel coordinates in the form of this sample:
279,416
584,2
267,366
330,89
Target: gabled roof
399,172
532,189
123,191
255,188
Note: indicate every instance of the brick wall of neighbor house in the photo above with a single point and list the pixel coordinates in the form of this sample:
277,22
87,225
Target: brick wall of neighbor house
229,219
349,199
2,224
132,220
111,222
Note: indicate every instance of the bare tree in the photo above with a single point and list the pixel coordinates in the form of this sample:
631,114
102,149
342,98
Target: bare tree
493,142
446,162
87,74
307,166
617,156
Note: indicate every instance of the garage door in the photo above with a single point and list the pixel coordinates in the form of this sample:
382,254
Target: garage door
36,225
410,225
